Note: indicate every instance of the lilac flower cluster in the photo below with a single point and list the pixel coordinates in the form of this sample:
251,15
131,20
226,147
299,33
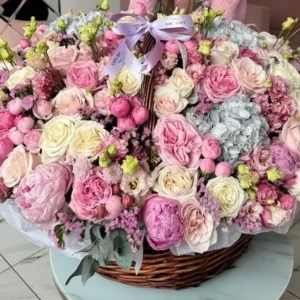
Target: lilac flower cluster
128,220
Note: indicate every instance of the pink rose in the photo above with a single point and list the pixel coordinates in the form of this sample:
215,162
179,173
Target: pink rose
267,194
220,83
4,191
287,201
88,195
6,119
6,146
127,123
251,76
211,148
223,169
163,221
113,207
178,141
102,100
62,58
16,136
120,106
207,166
32,140
41,193
172,47
25,124
83,74
24,43
69,101
140,114
290,135
200,230
15,106
42,109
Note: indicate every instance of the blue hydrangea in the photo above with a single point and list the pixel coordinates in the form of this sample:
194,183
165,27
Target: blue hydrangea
236,32
236,124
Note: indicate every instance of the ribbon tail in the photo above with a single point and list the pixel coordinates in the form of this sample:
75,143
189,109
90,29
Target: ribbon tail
153,57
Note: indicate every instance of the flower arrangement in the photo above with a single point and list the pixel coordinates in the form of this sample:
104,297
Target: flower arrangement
77,152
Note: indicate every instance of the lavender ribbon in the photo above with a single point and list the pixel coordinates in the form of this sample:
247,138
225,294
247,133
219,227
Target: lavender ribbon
178,27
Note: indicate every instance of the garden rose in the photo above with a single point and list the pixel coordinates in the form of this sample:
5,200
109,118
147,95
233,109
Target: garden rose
86,139
175,182
200,230
181,82
69,101
250,75
130,83
6,119
179,142
220,83
62,58
267,194
290,135
282,67
17,164
164,222
19,76
168,101
211,148
102,100
6,146
32,140
56,137
223,52
41,193
88,196
83,74
228,192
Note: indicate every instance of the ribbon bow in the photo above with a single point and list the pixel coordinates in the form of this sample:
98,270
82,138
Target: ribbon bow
177,27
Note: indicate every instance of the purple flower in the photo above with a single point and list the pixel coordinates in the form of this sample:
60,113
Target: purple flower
27,102
210,204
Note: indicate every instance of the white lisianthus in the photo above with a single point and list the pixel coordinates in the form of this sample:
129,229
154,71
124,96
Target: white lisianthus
19,77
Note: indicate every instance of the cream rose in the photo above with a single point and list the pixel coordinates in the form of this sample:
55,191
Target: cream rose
181,82
228,192
175,182
19,77
69,101
168,101
281,67
57,134
86,139
250,75
17,164
224,52
131,83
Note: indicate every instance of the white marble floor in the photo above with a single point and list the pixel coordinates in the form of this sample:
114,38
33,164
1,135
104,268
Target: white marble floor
25,269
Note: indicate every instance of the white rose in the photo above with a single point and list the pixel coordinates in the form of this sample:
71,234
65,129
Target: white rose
86,139
175,182
224,52
131,83
271,40
228,192
56,137
168,101
181,82
69,101
281,67
17,164
19,77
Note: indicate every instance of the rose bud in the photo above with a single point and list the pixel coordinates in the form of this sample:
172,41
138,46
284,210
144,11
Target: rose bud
223,169
140,114
207,166
114,207
119,107
127,201
116,189
101,212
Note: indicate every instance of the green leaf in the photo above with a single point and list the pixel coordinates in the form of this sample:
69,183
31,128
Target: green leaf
122,250
103,254
97,232
86,249
87,268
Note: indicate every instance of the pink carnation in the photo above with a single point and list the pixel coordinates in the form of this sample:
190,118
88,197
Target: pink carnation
247,52
164,222
196,72
279,88
169,60
267,194
194,57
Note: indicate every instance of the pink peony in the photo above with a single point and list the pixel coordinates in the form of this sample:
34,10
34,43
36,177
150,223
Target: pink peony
88,195
211,148
207,166
17,119
15,106
83,74
287,201
163,221
16,136
42,109
62,58
267,194
223,169
32,140
6,146
191,45
178,141
220,83
102,100
25,124
6,119
41,193
140,114
120,106
200,230
275,216
172,47
126,123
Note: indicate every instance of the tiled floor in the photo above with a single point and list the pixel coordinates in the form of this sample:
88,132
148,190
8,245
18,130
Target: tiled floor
25,272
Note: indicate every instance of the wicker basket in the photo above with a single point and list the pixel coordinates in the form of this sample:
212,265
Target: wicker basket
164,270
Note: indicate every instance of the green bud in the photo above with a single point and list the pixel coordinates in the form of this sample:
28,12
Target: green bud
176,11
3,43
71,12
6,54
205,48
117,85
104,161
30,28
252,194
245,184
274,175
243,169
103,6
112,150
99,21
109,24
88,33
42,47
130,165
182,12
62,25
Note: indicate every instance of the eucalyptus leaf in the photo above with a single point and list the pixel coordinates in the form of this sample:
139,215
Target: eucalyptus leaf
89,268
86,249
95,233
103,254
